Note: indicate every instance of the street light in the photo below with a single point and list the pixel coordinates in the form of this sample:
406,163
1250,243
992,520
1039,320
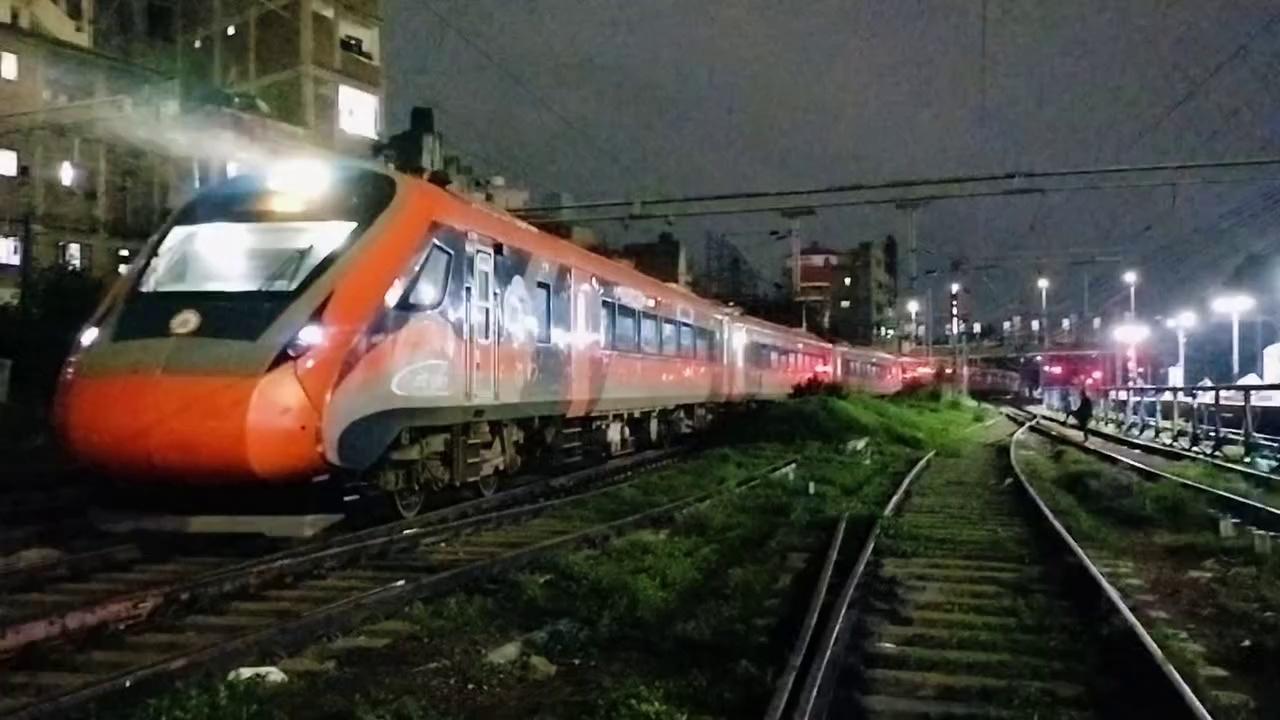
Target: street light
1043,284
1235,306
955,311
1130,278
913,307
1181,323
1131,334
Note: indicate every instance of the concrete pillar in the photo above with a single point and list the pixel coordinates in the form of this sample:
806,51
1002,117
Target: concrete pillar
253,45
1226,527
100,187
1261,542
306,45
216,33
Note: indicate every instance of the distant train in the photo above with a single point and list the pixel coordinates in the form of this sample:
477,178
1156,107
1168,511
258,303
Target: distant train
325,319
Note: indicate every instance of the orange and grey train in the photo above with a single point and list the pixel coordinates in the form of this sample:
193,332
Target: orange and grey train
322,320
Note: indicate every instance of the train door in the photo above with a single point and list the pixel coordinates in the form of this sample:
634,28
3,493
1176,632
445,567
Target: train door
482,346
727,367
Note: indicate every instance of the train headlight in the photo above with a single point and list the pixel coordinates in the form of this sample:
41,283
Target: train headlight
88,336
303,179
308,338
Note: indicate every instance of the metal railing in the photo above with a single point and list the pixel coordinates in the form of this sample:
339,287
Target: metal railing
1204,418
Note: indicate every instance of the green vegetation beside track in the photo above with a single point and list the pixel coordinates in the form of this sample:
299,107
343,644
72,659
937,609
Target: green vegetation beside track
691,620
1209,601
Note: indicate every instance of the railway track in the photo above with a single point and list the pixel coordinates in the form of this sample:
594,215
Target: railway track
1163,449
121,582
969,599
1246,514
274,604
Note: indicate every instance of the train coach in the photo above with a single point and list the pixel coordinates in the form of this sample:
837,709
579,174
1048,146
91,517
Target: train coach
320,320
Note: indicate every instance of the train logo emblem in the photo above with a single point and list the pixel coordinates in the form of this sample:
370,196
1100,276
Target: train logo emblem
185,322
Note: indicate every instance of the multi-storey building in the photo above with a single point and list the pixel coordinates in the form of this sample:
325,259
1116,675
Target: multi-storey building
113,113
864,301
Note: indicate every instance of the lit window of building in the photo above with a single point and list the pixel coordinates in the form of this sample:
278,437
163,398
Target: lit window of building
10,250
8,163
67,173
357,112
71,254
8,66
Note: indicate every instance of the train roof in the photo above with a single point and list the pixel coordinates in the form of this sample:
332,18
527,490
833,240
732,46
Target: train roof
591,261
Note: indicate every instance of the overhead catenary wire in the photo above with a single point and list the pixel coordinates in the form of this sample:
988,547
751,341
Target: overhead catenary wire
595,145
781,204
1183,100
1239,52
911,183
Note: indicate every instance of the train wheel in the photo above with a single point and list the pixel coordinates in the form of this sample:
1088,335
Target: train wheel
487,485
408,500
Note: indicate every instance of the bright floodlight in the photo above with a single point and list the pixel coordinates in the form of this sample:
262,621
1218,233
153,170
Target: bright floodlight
1043,283
955,288
913,306
1233,304
301,178
1185,320
1131,333
1130,277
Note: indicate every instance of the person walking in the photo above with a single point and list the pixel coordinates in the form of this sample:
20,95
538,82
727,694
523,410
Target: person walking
1084,413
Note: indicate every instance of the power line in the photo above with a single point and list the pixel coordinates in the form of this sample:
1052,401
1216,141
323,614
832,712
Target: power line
1200,85
727,209
525,86
924,183
1186,97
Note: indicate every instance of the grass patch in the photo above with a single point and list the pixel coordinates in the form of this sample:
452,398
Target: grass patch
688,621
911,423
1217,593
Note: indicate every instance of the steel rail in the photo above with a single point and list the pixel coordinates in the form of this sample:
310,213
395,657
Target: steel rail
782,691
804,701
1117,603
130,608
1258,514
1171,451
356,609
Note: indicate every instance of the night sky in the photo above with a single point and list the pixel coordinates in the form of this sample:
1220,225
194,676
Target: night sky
618,98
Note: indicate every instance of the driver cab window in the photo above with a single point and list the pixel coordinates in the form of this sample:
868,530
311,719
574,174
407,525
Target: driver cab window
433,279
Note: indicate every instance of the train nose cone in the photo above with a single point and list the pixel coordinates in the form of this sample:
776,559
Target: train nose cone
192,429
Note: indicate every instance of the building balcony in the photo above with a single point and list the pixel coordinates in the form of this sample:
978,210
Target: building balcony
46,18
361,70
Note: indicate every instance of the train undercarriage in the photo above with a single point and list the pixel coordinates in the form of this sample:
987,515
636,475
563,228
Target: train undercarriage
479,454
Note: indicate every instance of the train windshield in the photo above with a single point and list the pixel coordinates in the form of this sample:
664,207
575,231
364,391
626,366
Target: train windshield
242,257
266,233
243,250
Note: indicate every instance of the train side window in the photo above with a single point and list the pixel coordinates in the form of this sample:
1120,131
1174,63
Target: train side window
542,308
707,344
432,281
606,323
649,334
700,344
686,339
624,333
670,340
773,360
